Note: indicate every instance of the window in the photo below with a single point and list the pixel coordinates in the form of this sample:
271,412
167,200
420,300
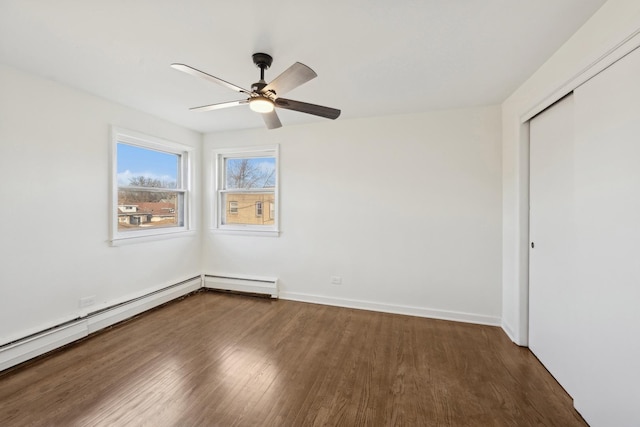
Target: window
150,190
245,180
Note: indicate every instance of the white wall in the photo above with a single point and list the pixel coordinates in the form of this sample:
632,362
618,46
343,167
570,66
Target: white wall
406,209
54,220
616,22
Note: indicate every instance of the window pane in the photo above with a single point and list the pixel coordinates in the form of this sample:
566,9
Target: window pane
251,172
242,208
139,209
144,167
246,190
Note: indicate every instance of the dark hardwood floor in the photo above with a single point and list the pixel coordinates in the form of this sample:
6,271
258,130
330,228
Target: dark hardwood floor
216,359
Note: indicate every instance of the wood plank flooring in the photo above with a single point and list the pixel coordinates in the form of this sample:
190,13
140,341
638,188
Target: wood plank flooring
216,359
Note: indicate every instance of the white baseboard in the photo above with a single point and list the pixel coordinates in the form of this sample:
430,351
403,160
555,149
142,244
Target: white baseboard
34,346
37,344
249,284
395,309
510,332
111,316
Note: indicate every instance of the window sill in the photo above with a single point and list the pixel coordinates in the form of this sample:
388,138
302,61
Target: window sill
247,232
123,241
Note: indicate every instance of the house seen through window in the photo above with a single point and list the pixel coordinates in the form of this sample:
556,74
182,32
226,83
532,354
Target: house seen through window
150,195
247,185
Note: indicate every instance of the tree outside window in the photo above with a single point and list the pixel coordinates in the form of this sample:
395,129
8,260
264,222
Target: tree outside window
248,179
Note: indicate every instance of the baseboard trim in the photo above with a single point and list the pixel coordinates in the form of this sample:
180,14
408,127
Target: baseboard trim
394,309
37,344
508,330
33,346
117,313
238,283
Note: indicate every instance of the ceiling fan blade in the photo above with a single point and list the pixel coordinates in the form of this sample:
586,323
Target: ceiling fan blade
271,120
290,78
303,107
219,106
194,72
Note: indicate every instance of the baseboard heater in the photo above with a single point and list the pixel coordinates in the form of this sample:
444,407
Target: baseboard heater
38,343
255,285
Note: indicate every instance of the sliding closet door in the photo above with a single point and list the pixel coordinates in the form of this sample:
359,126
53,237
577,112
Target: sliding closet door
551,287
607,225
585,224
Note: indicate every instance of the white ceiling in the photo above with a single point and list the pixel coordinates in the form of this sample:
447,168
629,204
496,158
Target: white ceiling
373,57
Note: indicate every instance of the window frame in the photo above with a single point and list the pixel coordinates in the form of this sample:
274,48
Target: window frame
217,197
183,187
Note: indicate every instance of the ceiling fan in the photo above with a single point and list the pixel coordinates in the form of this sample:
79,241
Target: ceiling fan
264,98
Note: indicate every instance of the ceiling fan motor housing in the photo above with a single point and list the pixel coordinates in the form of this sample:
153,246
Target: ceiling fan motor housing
257,86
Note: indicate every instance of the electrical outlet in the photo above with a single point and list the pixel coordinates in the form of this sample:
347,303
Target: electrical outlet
336,280
87,301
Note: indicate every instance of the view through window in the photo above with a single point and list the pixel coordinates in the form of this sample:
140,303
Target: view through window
247,190
150,193
249,185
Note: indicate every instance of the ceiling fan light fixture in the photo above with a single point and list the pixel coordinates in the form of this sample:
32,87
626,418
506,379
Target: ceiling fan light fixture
262,97
261,104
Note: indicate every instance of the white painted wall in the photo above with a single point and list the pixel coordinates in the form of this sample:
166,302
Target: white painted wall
54,220
616,22
406,209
